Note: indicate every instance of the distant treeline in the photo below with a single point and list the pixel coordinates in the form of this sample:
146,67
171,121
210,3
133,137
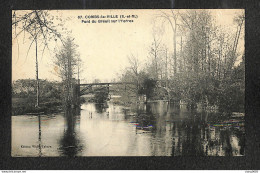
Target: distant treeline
26,88
24,96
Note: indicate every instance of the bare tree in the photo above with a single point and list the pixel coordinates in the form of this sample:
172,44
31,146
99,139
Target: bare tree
40,26
154,54
134,64
172,19
239,20
67,60
79,68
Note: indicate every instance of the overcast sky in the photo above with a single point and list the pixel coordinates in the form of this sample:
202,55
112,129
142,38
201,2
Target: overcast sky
103,47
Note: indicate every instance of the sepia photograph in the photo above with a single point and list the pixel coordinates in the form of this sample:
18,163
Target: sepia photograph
146,82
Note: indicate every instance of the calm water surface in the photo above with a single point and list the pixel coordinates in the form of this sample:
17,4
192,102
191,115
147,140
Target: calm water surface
155,129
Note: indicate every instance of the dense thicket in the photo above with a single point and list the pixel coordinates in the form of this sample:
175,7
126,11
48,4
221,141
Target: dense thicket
67,62
203,65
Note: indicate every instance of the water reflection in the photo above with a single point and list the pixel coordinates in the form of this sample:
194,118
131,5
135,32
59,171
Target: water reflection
40,136
153,129
70,143
190,133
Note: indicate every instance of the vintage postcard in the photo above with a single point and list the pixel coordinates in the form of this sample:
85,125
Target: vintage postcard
161,82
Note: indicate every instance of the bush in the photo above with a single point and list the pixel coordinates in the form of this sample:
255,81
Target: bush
101,96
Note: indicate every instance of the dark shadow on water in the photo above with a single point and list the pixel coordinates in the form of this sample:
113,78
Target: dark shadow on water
202,134
186,132
40,136
225,141
145,119
100,108
70,144
172,130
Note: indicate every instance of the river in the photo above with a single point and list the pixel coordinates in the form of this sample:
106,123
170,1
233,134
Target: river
152,129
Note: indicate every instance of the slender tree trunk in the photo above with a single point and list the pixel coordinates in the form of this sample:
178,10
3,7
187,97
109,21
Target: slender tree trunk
78,73
69,80
225,66
181,55
166,69
236,41
37,77
219,60
174,44
166,76
156,65
209,59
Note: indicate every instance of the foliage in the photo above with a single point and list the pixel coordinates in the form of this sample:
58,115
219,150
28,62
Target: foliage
25,88
201,69
41,29
101,96
66,61
24,96
232,90
147,87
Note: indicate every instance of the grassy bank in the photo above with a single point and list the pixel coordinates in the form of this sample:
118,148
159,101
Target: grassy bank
21,106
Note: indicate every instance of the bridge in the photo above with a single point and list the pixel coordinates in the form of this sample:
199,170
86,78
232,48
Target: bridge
78,89
89,87
108,83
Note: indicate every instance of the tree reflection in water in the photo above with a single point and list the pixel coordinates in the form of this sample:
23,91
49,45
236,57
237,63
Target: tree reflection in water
145,118
177,131
174,130
100,108
70,143
152,129
181,132
198,135
40,136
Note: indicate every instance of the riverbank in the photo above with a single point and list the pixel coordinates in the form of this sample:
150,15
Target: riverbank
21,106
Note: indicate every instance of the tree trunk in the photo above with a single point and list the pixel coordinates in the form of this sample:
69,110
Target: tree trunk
181,58
37,77
166,69
236,41
174,44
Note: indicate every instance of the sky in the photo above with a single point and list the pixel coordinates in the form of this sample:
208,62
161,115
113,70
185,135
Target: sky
103,47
